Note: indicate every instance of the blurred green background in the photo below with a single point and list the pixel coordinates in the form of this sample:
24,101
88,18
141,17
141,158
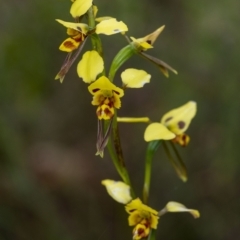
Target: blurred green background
49,174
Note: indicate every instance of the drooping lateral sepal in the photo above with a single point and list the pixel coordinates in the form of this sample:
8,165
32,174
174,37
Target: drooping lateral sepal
176,161
164,67
102,138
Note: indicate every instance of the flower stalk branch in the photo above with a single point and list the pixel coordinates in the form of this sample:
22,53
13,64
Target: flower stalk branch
151,149
116,154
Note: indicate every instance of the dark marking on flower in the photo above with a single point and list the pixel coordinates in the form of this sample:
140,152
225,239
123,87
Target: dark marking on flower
132,210
78,28
107,112
95,90
168,119
141,232
118,93
116,30
149,42
69,44
181,124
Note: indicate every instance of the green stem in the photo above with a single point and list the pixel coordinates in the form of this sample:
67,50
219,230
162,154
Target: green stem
151,149
116,154
152,235
115,150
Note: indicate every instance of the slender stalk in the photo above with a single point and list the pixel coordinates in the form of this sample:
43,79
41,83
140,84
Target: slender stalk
152,235
115,150
151,149
116,154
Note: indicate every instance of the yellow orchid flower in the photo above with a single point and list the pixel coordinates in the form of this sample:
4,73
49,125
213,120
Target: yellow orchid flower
173,125
147,42
142,217
77,33
118,190
106,96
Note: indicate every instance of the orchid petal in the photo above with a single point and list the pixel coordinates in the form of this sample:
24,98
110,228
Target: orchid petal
118,190
103,84
178,207
157,131
80,27
179,119
134,78
80,7
90,66
69,45
111,26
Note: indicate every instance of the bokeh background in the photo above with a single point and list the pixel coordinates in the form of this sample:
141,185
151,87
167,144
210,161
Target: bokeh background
49,174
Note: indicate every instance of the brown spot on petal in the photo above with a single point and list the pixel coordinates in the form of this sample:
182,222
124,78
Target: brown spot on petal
95,90
108,112
149,42
181,124
69,44
116,30
118,93
132,210
168,119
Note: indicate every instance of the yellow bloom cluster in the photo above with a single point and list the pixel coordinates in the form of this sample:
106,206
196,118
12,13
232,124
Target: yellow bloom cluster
142,217
79,31
107,98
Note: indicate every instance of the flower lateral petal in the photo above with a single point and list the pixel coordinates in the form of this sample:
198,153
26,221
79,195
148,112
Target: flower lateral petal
104,84
147,42
90,66
80,27
69,45
111,26
139,43
151,38
134,78
157,131
179,119
80,7
118,190
178,207
137,204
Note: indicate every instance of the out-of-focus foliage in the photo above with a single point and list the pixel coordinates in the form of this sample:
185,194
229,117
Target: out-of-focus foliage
49,175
